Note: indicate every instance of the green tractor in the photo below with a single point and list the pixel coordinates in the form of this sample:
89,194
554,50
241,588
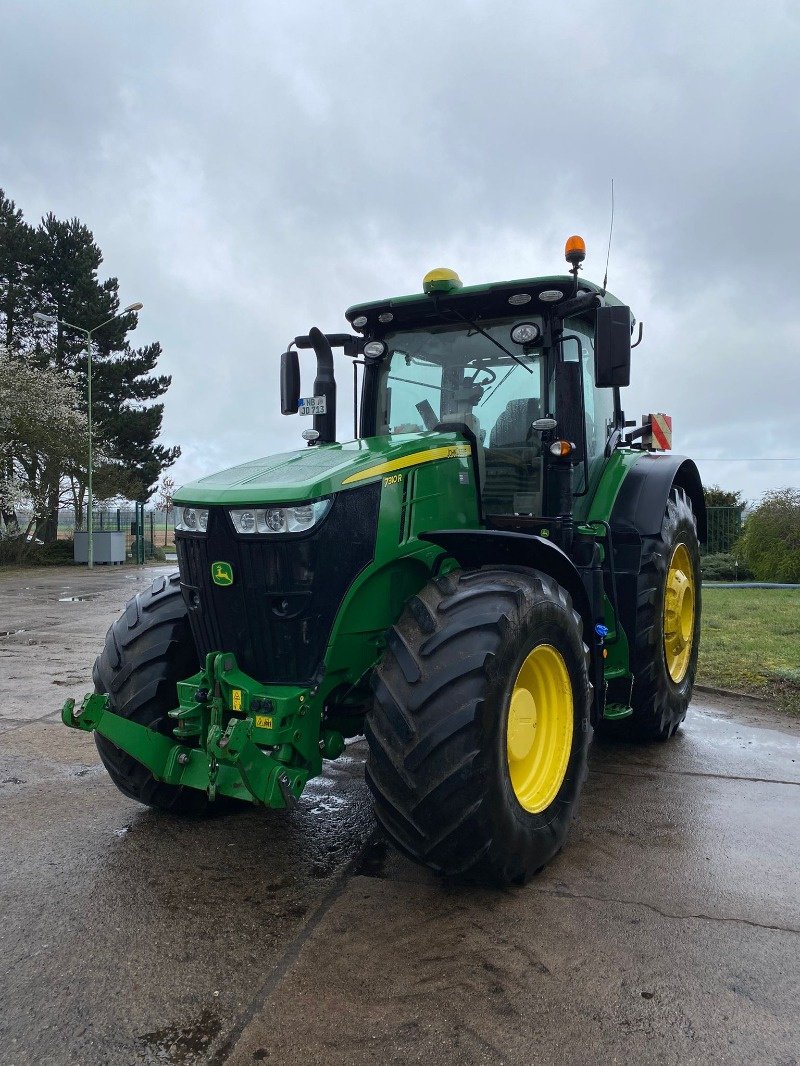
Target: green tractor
494,566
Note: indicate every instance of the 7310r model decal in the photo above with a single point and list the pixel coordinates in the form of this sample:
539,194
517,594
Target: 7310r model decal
448,451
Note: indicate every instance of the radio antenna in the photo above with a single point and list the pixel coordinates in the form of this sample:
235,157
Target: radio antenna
610,232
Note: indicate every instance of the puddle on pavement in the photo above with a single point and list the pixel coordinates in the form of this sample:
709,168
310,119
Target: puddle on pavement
11,632
77,599
183,1044
373,859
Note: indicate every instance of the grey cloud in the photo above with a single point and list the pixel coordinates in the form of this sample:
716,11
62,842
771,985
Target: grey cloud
252,169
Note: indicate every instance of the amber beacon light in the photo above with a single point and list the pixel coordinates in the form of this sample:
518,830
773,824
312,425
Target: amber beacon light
575,250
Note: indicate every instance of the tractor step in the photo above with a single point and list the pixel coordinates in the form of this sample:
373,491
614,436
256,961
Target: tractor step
614,712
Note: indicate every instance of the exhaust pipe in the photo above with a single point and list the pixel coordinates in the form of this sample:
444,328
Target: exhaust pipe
324,385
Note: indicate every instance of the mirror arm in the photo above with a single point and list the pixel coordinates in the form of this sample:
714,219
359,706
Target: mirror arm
584,301
352,345
639,336
638,432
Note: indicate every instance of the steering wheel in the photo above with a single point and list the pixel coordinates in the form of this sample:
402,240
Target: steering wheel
490,376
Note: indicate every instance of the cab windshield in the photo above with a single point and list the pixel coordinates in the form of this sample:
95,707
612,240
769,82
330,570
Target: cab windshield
454,374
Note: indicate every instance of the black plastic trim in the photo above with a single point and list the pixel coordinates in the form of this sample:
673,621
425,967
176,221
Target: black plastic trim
474,548
643,497
278,614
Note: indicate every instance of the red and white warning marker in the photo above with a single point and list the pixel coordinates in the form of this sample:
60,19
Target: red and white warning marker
660,436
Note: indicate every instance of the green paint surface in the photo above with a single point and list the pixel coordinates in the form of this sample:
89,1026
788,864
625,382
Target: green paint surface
263,742
294,477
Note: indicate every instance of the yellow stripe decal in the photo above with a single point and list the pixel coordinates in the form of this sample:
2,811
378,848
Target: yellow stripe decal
449,451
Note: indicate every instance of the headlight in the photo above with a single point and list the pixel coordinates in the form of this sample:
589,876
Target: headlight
296,519
192,519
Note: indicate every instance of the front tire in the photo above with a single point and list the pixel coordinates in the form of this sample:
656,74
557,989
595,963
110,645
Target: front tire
480,729
148,650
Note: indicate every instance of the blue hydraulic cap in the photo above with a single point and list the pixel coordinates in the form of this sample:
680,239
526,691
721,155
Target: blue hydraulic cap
601,631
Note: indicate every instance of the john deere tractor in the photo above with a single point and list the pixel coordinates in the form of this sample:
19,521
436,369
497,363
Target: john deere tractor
493,566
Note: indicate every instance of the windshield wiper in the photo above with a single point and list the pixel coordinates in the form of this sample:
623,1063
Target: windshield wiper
489,337
499,384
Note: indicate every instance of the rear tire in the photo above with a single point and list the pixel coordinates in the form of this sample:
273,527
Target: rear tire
664,667
147,651
440,753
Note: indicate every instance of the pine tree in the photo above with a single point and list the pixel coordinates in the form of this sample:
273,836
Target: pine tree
129,423
16,251
16,295
54,269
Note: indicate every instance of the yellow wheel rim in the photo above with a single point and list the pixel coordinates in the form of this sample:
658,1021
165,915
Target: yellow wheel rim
679,610
539,728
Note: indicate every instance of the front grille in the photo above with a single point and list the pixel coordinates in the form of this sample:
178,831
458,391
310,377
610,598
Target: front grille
277,615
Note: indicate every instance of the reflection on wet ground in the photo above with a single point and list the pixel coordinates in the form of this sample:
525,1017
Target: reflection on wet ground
667,929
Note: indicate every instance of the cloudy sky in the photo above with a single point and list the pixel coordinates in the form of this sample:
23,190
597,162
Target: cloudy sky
251,169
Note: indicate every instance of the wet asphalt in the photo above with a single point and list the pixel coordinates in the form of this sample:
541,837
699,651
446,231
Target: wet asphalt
667,931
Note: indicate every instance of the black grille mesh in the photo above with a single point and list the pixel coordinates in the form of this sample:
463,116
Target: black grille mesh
277,616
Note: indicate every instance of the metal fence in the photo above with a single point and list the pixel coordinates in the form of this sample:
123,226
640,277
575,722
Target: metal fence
724,529
157,529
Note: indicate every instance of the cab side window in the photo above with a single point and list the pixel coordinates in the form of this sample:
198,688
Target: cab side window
599,403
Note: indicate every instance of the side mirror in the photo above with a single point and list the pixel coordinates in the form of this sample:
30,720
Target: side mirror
290,382
612,347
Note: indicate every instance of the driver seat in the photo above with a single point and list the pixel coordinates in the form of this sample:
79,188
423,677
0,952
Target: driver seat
470,420
513,466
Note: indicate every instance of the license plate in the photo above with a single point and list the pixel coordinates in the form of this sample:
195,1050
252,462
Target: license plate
313,405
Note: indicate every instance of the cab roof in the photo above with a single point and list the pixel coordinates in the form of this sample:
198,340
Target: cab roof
474,301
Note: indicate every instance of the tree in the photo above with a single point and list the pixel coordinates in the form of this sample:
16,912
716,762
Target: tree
164,502
54,269
771,539
129,422
41,425
717,497
16,251
724,519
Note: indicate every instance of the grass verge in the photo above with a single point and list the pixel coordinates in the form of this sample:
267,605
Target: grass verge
750,642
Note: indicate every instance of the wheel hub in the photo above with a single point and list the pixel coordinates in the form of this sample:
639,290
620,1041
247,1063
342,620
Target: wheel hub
521,724
679,612
539,728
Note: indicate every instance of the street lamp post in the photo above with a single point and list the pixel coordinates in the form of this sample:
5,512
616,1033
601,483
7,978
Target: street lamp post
88,334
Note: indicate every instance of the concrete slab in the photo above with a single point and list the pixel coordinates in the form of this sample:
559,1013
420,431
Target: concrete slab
667,931
53,621
411,973
128,937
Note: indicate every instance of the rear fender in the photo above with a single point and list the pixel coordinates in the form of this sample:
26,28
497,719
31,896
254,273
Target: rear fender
642,499
638,513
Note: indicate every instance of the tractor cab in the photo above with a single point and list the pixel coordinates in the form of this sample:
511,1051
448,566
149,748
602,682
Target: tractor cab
498,364
527,371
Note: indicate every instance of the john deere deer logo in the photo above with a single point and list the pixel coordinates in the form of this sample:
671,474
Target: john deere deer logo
222,574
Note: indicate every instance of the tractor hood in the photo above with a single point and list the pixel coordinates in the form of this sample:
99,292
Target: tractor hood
310,473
